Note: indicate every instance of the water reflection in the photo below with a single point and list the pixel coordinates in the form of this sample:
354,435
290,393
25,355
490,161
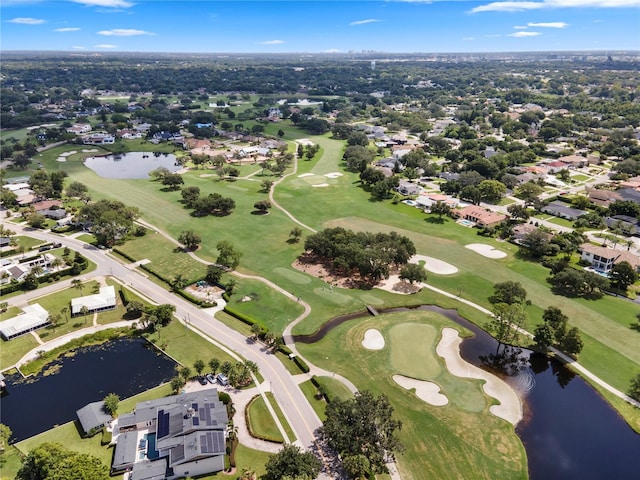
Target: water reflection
131,165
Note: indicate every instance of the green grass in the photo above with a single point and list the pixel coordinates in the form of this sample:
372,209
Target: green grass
316,401
459,440
260,422
14,350
68,435
186,346
165,257
27,242
88,238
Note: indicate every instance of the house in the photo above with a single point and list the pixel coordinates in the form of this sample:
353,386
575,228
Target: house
407,188
629,225
46,205
602,259
560,209
426,200
602,198
574,161
480,216
93,417
99,302
99,139
520,232
32,318
79,129
172,437
12,273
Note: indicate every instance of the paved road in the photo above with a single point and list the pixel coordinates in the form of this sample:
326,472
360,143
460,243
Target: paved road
297,410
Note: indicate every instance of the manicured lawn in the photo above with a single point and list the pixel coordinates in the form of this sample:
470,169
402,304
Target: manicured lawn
459,440
69,436
27,242
165,257
333,388
260,422
186,346
14,350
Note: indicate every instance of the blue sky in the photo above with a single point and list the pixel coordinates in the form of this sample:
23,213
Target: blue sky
319,26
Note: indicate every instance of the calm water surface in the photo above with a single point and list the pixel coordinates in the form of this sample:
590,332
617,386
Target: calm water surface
124,366
131,165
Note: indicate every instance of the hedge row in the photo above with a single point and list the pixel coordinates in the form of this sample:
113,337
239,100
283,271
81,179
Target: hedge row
247,418
244,318
302,365
67,272
186,295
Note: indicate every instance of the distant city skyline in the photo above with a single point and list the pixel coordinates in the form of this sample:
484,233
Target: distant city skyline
304,26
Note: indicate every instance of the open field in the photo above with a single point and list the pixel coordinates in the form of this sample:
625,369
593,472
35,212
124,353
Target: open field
461,439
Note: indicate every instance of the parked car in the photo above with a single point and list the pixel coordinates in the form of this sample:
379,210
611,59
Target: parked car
222,379
202,380
211,378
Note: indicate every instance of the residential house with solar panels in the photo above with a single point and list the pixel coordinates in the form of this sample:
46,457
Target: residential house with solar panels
172,437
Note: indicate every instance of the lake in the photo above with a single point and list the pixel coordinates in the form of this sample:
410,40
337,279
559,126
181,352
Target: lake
123,366
131,165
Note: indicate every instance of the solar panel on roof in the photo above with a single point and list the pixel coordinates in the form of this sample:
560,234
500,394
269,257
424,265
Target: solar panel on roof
163,424
218,441
195,420
194,406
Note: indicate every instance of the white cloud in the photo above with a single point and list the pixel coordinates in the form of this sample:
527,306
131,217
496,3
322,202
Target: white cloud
124,32
79,47
524,34
517,6
468,39
27,21
363,22
105,46
67,29
520,27
105,3
548,24
272,42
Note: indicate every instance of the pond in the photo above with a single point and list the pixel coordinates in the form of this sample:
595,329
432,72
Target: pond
88,374
131,165
569,431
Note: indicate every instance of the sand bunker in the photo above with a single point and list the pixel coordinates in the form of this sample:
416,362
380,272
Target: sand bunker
486,250
426,391
448,348
61,159
320,185
304,141
89,150
67,154
434,265
373,340
305,175
333,175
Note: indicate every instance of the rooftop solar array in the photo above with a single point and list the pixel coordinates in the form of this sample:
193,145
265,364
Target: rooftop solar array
163,424
205,415
212,442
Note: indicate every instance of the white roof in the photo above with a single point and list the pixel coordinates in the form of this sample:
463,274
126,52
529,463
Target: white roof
33,316
15,186
106,298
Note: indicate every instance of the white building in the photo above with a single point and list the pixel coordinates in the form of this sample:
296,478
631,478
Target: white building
99,302
32,318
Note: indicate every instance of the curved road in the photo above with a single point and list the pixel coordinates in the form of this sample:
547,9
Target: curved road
296,408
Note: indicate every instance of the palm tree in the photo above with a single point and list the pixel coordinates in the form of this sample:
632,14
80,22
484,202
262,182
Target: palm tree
64,311
84,311
56,263
179,282
214,363
37,270
185,373
199,366
77,283
53,320
177,383
252,366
